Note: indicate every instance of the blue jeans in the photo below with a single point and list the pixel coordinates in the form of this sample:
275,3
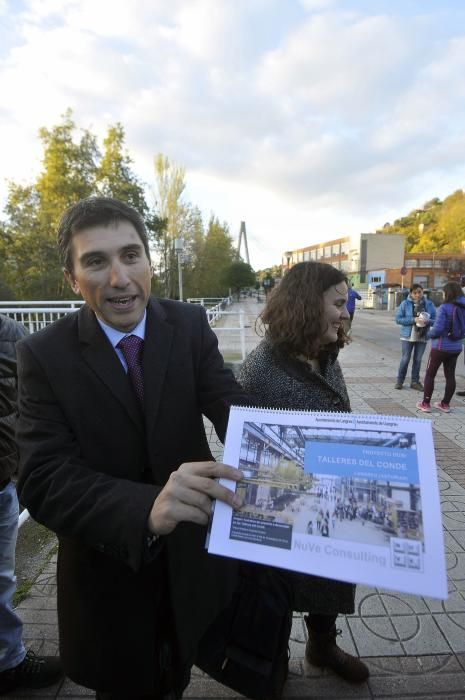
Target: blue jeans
12,650
418,352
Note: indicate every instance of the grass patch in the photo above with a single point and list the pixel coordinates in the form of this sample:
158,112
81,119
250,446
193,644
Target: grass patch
21,593
36,546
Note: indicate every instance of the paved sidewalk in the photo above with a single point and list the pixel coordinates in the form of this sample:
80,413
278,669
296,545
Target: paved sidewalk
415,647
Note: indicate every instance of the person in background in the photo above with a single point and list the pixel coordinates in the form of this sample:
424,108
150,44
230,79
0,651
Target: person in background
18,668
415,314
353,295
444,350
295,367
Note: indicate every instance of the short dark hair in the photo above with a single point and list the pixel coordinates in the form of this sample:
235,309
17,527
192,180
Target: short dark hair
452,290
294,311
96,211
416,286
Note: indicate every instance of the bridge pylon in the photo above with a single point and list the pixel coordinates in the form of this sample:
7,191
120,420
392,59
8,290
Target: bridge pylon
243,237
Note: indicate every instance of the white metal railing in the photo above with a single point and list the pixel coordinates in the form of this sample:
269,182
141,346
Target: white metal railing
35,318
38,314
215,311
210,301
234,329
72,303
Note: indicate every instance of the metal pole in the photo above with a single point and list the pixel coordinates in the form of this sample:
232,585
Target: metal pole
180,276
242,333
179,247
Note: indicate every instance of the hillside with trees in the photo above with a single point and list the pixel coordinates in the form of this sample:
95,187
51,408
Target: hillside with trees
438,226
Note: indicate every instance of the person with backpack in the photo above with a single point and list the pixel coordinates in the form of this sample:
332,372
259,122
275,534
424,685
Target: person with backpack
446,345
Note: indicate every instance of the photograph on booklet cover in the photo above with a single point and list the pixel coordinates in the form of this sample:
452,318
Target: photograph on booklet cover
347,496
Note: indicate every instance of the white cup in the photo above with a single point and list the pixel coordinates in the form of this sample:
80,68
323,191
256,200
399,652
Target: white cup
422,319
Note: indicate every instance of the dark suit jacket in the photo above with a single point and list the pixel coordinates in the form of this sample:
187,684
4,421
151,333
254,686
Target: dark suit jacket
91,467
10,332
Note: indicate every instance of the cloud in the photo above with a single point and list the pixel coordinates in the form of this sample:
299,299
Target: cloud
319,112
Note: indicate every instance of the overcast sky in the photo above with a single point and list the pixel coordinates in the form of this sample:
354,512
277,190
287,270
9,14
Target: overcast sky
308,119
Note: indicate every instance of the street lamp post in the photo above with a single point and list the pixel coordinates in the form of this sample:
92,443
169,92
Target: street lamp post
179,247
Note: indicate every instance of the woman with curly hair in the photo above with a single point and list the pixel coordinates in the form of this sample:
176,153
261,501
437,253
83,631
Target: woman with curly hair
295,367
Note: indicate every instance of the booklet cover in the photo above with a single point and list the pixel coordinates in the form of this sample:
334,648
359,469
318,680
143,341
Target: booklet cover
340,495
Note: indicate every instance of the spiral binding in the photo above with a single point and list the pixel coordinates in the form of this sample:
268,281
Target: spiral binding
326,414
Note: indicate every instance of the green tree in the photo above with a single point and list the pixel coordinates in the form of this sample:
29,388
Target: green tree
214,253
438,226
193,233
274,271
114,176
175,212
239,275
72,168
33,211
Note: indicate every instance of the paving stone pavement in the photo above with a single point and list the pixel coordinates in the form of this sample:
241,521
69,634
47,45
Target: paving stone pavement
414,646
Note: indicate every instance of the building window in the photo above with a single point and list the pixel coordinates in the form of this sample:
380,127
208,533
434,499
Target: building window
327,251
411,263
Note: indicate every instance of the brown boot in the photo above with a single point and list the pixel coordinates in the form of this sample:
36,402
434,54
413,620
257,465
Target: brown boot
322,650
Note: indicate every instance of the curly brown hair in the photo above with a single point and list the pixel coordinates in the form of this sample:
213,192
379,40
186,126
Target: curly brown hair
452,290
294,312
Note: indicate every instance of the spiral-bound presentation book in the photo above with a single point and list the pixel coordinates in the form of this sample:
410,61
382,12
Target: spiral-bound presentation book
340,495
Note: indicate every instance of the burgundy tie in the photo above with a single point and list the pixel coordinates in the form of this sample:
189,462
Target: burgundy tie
132,346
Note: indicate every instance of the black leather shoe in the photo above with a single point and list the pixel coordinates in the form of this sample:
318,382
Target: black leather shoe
460,393
33,672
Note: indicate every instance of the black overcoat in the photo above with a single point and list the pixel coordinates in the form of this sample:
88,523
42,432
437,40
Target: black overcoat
91,466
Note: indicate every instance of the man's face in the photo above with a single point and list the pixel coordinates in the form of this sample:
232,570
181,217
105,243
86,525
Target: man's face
335,312
112,273
416,294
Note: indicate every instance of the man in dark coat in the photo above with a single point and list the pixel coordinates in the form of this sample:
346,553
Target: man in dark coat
18,668
118,464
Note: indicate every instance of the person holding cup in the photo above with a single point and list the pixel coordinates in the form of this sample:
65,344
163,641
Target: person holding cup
415,315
